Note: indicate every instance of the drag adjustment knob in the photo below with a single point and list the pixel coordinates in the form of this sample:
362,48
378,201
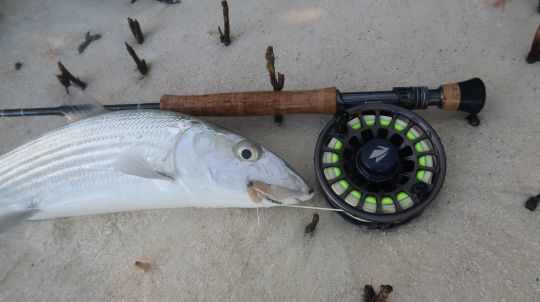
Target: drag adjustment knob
378,160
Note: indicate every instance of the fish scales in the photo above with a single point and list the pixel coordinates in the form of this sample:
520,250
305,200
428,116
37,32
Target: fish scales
81,151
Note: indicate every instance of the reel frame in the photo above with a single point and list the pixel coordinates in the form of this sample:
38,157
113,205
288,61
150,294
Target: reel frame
405,178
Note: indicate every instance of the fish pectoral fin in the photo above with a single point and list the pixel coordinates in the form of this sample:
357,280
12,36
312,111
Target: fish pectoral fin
9,219
135,164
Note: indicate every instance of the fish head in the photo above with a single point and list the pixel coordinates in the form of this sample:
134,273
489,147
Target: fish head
224,159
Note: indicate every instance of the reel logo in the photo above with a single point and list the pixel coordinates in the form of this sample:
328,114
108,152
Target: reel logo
379,153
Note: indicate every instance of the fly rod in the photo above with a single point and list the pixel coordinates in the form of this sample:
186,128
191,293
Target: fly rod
468,96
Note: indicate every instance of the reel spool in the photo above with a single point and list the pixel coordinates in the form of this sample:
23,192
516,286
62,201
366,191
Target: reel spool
380,163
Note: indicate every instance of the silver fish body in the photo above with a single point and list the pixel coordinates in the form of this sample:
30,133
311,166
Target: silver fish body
146,159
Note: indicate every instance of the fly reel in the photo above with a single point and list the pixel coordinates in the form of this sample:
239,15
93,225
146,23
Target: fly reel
381,164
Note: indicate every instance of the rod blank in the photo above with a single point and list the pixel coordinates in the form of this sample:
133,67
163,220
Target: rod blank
60,111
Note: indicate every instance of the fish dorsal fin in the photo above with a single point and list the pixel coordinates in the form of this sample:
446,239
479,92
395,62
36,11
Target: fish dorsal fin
79,105
135,164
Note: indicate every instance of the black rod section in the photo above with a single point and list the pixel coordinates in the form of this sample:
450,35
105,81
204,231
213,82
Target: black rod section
132,106
59,111
468,96
407,97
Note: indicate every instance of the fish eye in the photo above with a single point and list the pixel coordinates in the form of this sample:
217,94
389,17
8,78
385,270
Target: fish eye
247,150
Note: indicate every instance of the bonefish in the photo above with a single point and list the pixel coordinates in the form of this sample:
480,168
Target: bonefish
136,160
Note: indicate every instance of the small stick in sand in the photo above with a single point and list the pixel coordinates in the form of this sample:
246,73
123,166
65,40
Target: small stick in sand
384,293
473,120
534,54
64,81
310,228
136,30
532,202
144,265
141,64
382,296
277,82
168,1
225,38
88,38
369,293
66,78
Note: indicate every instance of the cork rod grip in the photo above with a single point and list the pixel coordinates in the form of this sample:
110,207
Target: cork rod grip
321,101
451,96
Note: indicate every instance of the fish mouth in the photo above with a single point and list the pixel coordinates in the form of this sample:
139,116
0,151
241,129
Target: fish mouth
259,191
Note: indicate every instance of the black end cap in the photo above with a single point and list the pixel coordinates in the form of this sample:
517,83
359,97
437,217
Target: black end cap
473,95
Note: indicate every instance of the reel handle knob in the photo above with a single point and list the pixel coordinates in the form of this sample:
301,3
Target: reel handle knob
468,96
